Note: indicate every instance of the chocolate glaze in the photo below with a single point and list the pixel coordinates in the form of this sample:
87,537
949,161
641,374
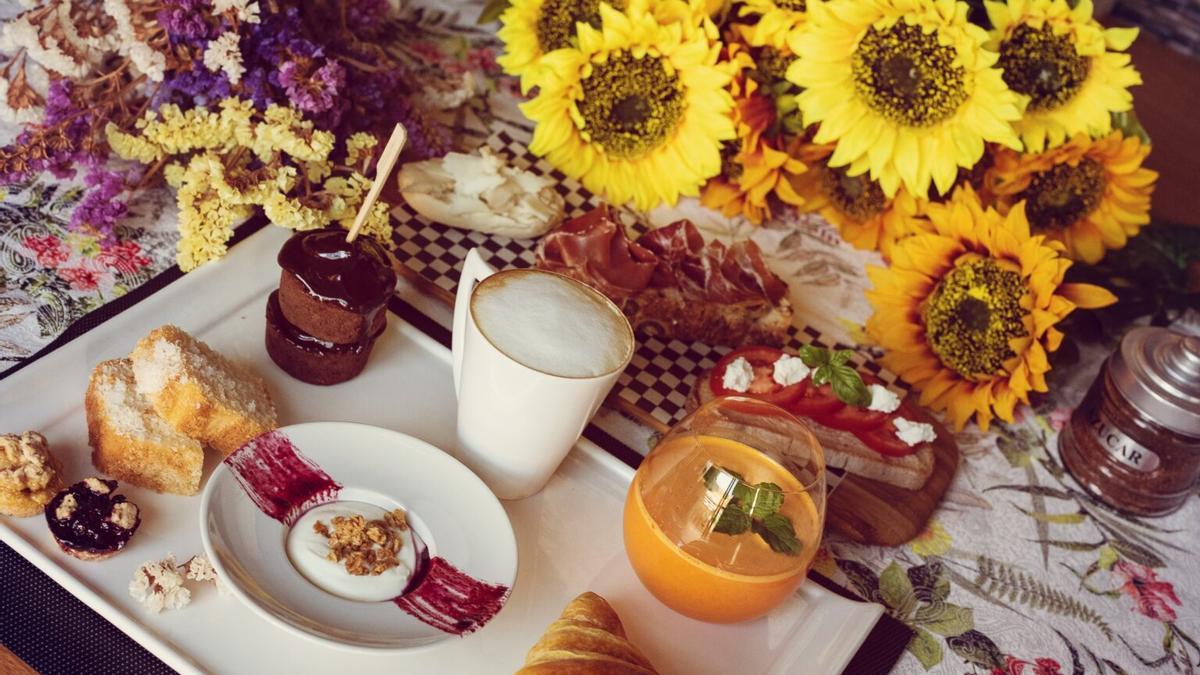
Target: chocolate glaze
356,276
89,528
316,345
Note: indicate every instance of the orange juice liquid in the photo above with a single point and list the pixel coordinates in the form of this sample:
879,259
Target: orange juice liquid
713,577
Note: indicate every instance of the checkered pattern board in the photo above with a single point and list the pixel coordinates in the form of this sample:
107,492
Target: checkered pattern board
656,385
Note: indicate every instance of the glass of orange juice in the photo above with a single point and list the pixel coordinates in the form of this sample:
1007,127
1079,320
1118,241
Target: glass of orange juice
725,514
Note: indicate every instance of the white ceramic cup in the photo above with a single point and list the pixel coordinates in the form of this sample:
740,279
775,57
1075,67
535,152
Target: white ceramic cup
516,423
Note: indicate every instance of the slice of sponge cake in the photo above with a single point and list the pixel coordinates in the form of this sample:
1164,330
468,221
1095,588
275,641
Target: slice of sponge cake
199,392
131,442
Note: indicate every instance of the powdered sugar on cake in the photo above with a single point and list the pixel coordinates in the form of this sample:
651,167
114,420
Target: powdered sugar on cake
164,363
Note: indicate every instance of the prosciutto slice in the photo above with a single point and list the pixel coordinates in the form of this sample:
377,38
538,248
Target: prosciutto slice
593,249
710,271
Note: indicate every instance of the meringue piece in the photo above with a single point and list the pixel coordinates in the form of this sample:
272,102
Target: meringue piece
482,192
158,585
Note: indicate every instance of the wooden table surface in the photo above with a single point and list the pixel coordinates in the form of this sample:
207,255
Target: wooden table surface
11,665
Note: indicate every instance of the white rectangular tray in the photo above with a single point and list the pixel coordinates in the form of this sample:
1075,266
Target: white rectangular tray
569,536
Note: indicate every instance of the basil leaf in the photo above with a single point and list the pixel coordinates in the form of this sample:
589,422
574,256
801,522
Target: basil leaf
813,356
732,520
841,357
848,386
767,499
779,534
821,375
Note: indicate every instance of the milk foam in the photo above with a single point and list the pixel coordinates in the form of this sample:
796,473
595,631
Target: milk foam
550,324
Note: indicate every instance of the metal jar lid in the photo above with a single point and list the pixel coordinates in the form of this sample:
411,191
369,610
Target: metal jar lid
1158,372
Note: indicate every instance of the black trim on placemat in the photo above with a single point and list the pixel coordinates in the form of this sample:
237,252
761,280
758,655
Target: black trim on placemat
883,646
55,632
108,310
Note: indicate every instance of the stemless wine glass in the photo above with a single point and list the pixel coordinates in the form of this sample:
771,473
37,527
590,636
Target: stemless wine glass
725,514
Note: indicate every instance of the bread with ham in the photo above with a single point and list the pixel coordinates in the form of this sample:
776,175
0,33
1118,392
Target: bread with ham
671,283
876,435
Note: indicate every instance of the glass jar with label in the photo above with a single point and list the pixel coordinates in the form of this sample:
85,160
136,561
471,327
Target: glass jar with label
1134,442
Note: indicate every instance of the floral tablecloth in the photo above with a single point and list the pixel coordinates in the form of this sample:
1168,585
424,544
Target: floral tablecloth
1018,572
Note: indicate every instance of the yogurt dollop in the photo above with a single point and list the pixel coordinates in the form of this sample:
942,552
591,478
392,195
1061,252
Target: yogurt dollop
308,549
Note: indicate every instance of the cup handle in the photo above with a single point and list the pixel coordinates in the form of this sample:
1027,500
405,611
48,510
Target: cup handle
474,270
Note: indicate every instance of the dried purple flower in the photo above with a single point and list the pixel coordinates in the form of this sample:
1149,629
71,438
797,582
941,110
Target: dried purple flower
313,92
101,207
184,20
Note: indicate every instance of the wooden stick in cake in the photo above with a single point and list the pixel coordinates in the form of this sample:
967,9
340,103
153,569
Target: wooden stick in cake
383,169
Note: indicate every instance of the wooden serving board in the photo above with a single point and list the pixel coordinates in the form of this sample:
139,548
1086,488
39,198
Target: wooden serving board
866,511
873,512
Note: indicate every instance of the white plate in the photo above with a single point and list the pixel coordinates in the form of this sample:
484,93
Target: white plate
449,508
568,536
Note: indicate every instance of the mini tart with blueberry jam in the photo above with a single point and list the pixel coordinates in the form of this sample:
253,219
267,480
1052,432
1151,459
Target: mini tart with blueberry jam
90,521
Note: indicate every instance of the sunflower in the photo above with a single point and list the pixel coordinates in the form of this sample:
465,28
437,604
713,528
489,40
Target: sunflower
753,176
637,112
1070,70
1091,195
904,87
966,313
776,19
758,163
531,29
856,205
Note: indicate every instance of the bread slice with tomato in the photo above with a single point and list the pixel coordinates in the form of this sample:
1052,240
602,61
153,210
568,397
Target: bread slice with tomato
855,438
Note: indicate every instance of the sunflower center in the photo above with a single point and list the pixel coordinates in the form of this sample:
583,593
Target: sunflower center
905,75
1043,66
771,65
731,168
630,105
1059,197
971,316
557,18
856,196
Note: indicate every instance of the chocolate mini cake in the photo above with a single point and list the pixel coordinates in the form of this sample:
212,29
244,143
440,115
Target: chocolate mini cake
330,306
89,521
311,359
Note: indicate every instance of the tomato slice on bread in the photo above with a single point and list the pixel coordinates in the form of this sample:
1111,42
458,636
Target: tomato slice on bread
817,402
883,439
876,430
763,386
855,418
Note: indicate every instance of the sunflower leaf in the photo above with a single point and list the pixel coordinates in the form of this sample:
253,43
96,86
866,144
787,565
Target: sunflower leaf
492,11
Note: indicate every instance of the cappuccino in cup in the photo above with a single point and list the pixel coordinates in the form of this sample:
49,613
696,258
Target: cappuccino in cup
551,323
535,354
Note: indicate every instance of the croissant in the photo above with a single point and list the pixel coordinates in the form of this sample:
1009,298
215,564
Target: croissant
587,639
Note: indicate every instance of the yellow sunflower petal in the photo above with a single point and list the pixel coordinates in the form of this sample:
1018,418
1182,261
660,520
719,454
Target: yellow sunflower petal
1087,296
